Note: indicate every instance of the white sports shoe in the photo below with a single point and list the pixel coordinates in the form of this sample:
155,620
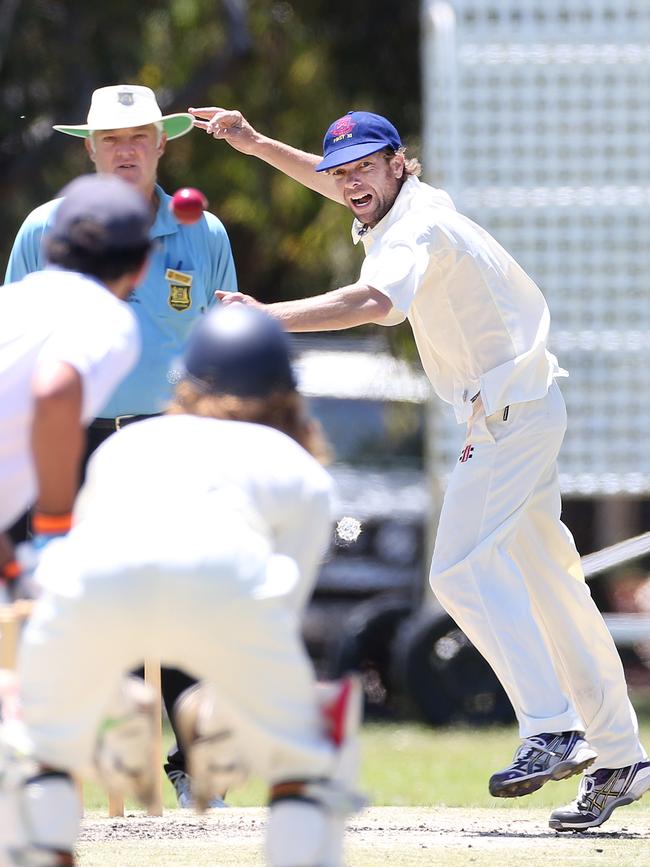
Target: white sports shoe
183,787
600,794
540,758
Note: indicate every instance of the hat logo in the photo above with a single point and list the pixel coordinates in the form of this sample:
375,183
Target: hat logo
341,127
125,98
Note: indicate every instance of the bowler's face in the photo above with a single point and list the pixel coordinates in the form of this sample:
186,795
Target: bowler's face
370,186
130,153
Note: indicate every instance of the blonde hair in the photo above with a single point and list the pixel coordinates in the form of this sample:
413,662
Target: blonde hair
412,166
282,410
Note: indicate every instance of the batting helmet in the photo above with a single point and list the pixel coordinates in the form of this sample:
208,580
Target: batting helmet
239,350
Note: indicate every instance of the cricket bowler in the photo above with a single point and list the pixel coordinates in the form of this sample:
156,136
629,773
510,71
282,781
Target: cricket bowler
504,565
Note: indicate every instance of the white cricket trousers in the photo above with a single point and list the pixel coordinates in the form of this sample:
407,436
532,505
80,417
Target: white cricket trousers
508,572
215,605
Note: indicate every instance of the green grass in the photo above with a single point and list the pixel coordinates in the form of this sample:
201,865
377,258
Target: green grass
406,764
425,771
409,765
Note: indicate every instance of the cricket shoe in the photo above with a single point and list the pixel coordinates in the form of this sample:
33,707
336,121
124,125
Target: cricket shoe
540,758
183,787
600,794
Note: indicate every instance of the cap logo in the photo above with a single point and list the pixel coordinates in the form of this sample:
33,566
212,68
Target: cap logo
342,128
125,98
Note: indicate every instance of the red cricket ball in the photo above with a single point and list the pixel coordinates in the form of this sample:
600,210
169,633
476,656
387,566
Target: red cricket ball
188,204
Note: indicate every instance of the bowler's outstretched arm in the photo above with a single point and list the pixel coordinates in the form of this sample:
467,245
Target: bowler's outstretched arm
232,126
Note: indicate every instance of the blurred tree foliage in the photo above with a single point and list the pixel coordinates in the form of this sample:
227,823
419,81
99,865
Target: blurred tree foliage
291,67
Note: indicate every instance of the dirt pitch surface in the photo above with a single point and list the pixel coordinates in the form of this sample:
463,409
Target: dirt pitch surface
395,837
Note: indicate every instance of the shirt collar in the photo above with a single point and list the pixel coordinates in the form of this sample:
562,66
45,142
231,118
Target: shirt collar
360,232
164,224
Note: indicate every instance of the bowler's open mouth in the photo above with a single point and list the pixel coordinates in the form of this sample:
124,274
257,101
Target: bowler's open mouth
360,201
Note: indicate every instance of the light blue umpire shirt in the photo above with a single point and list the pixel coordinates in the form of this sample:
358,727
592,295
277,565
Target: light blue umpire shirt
188,263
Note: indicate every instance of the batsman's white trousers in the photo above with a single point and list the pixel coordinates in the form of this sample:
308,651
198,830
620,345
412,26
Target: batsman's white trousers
508,572
217,605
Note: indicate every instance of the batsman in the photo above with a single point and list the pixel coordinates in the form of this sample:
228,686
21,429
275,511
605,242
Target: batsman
504,566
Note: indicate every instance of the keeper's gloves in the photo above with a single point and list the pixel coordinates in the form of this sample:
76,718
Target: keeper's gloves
17,575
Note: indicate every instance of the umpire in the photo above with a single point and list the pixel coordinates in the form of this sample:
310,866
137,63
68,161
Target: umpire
126,135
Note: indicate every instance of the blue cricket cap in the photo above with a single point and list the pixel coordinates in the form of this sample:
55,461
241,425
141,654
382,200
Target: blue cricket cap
241,351
356,135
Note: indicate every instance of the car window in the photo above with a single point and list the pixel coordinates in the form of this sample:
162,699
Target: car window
372,432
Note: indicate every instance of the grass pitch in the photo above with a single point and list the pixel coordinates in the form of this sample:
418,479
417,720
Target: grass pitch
393,836
429,805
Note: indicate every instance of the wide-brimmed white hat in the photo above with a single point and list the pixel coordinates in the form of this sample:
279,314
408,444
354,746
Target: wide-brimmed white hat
124,105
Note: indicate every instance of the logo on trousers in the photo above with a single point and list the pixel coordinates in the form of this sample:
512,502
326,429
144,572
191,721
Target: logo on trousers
466,454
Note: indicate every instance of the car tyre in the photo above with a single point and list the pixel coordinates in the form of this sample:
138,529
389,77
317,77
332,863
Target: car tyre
438,674
363,645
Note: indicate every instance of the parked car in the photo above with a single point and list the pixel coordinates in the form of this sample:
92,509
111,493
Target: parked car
367,612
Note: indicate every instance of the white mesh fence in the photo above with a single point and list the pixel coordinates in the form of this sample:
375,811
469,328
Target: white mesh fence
537,120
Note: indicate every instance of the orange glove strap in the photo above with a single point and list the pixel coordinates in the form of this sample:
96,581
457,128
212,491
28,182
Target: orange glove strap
43,524
11,570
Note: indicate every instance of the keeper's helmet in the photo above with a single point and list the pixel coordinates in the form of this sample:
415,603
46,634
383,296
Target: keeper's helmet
239,350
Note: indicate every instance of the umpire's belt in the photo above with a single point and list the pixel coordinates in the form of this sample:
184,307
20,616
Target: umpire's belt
119,422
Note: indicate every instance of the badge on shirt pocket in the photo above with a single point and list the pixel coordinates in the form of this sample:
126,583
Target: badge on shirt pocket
180,289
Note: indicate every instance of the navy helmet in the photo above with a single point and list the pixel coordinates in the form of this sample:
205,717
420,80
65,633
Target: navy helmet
239,350
102,213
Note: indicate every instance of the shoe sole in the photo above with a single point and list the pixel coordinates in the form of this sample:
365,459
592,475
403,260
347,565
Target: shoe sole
630,798
520,786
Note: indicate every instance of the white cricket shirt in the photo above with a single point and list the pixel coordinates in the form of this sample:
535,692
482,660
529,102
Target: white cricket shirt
480,323
55,315
178,488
